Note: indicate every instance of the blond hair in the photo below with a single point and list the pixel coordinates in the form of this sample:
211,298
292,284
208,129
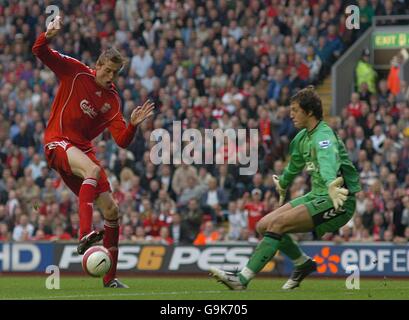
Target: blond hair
126,174
111,54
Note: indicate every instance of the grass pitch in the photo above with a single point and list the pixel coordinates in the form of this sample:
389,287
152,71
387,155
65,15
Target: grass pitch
167,288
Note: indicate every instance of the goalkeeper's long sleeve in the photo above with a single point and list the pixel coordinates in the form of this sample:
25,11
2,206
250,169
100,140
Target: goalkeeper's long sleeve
296,163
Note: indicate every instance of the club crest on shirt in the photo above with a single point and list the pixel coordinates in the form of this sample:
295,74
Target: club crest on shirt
88,109
106,107
310,167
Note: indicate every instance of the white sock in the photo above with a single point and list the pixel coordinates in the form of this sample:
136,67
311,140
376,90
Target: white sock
247,273
301,260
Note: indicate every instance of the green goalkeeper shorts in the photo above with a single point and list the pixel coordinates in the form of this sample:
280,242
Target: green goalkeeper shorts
323,212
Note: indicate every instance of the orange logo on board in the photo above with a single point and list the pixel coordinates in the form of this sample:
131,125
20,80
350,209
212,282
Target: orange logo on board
327,261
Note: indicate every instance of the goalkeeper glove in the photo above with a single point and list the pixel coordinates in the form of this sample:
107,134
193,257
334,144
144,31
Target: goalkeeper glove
337,194
281,191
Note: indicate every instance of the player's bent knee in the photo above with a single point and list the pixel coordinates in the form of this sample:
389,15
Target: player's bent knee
112,212
93,172
261,227
277,224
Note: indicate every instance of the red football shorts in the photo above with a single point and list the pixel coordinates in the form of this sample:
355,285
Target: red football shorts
57,159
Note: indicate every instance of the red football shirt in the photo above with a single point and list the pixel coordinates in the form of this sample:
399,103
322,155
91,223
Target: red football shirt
82,109
255,213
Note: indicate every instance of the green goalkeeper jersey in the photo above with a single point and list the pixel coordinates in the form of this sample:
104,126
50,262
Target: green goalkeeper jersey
324,157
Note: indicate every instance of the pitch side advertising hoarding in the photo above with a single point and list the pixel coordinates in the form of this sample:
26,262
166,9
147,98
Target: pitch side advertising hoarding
372,259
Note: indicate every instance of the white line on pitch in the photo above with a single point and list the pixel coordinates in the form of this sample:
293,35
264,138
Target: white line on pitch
126,294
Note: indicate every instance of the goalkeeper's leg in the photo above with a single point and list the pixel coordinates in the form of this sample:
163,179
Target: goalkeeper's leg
275,224
325,219
287,244
304,265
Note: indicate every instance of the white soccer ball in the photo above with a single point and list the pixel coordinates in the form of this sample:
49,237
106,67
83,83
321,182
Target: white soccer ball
97,261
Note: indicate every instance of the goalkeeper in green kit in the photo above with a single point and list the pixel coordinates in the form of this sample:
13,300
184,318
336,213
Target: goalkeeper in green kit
327,207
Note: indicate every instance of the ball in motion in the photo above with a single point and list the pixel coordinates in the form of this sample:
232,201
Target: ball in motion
97,261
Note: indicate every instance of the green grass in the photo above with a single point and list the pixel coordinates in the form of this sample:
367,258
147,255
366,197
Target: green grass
161,288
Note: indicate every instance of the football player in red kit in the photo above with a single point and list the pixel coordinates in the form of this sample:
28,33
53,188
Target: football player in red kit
85,105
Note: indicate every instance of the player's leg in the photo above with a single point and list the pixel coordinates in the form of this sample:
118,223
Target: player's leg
288,245
82,166
73,165
325,220
277,223
110,211
304,264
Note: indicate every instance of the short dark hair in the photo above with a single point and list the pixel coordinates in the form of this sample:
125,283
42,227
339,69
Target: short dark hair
309,100
111,54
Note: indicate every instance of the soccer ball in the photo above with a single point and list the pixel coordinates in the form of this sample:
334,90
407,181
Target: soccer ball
96,261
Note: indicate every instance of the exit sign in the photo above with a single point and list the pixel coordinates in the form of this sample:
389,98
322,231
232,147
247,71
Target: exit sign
390,40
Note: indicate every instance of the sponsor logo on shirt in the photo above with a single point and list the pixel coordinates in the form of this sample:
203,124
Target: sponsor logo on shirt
88,109
324,144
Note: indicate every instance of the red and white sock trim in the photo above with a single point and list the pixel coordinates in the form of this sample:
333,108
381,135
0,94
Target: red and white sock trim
111,223
91,181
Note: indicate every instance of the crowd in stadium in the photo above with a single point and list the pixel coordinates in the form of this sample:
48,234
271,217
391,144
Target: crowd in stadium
209,64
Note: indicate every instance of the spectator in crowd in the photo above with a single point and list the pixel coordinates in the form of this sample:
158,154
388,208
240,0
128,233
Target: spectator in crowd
152,225
23,230
378,138
401,217
73,226
193,216
237,220
355,107
193,190
60,234
124,160
365,73
140,236
214,196
181,177
179,231
164,236
127,234
256,211
208,235
4,232
404,239
358,229
43,224
378,229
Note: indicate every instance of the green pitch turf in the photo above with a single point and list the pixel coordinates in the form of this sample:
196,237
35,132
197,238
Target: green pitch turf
161,288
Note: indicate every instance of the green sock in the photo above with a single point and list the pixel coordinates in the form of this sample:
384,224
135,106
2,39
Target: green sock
291,249
265,250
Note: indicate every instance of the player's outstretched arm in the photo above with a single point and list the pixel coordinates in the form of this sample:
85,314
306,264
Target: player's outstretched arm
60,64
141,113
122,134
